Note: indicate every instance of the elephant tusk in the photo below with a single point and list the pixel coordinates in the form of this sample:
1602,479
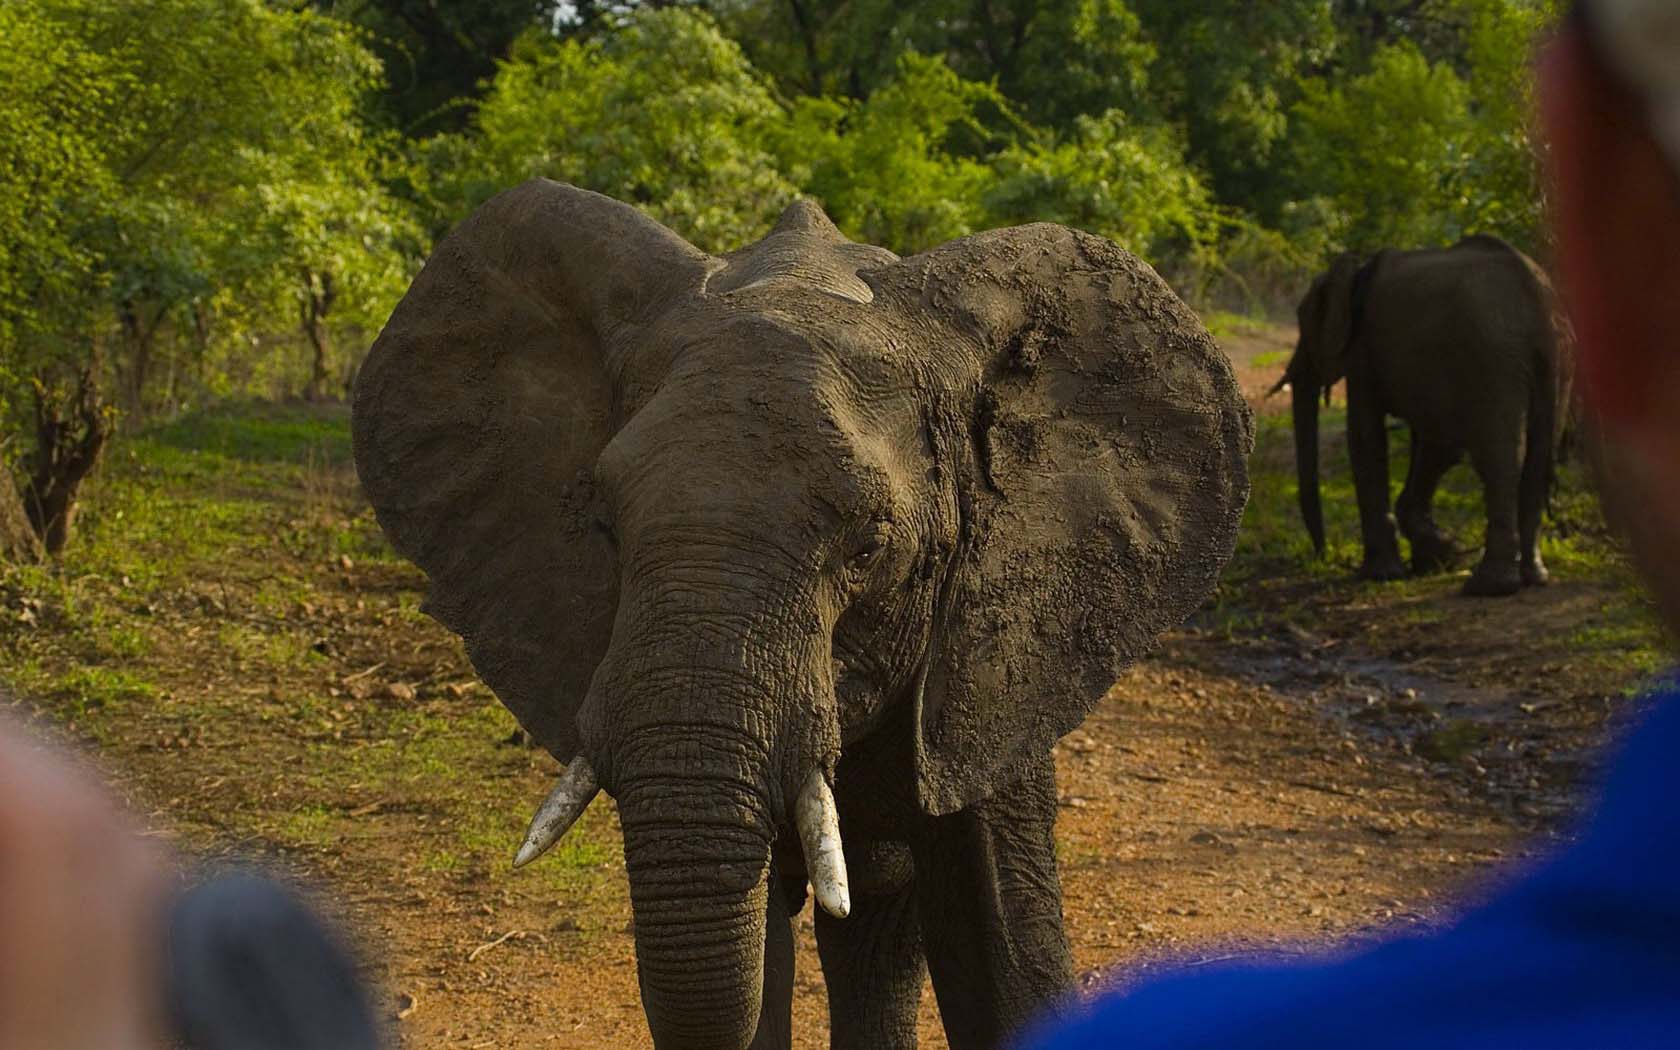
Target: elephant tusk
570,797
1279,385
819,834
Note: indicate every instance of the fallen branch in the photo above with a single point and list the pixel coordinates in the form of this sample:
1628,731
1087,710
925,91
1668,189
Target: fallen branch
473,955
365,673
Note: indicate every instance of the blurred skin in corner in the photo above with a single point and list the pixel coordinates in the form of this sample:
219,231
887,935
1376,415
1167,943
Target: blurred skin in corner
1615,205
81,901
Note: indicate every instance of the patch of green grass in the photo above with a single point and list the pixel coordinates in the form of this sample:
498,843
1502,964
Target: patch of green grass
1223,324
1273,549
258,432
85,694
1274,538
1271,359
309,827
272,647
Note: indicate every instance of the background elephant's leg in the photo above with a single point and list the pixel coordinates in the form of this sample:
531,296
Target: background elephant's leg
1368,449
1432,549
1500,570
991,911
1532,490
775,1016
872,959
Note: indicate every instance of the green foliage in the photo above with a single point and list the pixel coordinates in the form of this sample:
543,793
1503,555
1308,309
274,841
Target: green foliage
1127,182
1387,150
1228,71
207,161
892,169
49,168
666,114
1418,150
439,57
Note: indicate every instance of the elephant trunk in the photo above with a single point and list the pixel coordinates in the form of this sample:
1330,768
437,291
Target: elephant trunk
697,852
1304,393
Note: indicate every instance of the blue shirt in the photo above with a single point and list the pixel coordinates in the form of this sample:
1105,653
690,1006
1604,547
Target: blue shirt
1583,953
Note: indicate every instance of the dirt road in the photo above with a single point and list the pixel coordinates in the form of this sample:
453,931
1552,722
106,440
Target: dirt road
1206,810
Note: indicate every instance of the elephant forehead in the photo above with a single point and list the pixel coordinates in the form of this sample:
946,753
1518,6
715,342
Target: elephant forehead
760,432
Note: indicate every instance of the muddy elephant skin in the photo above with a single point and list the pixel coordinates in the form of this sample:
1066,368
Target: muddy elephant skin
802,546
1466,345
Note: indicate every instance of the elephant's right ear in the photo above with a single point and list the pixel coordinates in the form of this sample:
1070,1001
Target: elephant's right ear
479,416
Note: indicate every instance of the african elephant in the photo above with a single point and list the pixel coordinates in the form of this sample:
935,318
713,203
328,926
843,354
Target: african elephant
1460,343
806,555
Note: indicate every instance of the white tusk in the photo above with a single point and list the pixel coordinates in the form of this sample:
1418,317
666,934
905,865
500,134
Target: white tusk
819,833
559,810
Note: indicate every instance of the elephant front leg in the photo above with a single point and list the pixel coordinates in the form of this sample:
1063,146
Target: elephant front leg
872,959
1368,450
990,904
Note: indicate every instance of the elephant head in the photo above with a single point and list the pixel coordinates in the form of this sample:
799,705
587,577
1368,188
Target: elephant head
705,522
1327,315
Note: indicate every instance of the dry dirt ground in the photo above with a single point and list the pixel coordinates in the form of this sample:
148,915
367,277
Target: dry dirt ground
1310,763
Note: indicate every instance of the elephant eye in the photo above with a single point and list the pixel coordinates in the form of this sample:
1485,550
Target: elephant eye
870,547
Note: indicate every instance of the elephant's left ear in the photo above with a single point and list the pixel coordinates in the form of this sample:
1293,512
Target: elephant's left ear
1104,476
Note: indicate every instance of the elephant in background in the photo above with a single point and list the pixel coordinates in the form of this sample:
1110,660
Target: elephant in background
1461,343
806,555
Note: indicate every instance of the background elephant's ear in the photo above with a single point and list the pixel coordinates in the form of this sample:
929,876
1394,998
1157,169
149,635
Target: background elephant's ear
479,416
1334,313
1106,474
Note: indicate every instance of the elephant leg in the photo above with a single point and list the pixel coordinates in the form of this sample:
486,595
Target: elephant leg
1500,570
990,904
872,959
1432,549
775,1016
1532,492
1368,450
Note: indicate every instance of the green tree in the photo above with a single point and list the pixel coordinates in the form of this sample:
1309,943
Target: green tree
1503,192
904,168
1228,72
1127,182
1053,59
1388,151
665,113
438,57
215,168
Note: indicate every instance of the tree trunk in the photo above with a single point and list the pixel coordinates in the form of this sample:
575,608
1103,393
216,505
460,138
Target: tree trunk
318,295
18,542
135,362
70,434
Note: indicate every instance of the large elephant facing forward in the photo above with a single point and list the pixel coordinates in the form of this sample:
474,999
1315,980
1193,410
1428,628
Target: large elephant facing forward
1462,344
806,555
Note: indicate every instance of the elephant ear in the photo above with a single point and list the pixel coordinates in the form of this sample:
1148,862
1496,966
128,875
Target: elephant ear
1107,452
480,413
1332,308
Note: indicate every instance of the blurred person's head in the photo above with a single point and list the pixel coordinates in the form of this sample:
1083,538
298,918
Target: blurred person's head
1610,90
